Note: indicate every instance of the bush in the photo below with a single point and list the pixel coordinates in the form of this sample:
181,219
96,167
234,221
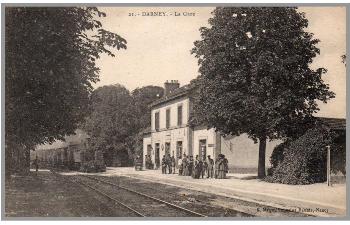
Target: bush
93,166
302,161
277,157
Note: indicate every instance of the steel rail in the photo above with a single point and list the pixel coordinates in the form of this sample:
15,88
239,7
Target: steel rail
103,194
111,198
148,196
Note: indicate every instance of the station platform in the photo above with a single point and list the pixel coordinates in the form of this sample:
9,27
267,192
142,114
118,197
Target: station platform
315,199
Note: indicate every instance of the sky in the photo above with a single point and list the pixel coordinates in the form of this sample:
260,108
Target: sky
158,47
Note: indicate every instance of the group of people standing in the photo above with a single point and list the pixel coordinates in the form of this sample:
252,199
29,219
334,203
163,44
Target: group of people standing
168,164
221,167
197,168
205,167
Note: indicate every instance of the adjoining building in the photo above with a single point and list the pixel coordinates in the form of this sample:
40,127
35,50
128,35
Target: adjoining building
170,133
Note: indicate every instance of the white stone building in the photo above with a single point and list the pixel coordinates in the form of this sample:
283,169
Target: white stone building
170,133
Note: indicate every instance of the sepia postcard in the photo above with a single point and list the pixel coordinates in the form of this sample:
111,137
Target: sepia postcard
174,111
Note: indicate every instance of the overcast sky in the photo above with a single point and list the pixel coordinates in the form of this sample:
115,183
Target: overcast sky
159,48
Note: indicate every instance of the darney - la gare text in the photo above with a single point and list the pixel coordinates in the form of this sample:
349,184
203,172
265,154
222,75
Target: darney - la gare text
160,14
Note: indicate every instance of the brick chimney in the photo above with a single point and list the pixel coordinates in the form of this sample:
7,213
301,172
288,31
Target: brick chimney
169,87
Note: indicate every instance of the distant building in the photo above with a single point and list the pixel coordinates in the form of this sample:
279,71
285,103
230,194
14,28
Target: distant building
170,133
65,152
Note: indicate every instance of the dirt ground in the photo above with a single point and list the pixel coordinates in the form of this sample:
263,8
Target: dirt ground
46,195
51,195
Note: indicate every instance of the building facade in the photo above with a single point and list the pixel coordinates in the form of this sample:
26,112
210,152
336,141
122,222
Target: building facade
170,133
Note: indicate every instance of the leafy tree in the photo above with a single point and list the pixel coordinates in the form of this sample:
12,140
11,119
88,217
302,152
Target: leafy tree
111,122
255,75
142,97
117,121
50,66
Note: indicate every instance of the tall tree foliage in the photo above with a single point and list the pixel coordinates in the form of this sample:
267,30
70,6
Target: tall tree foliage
142,97
118,119
255,75
50,65
111,121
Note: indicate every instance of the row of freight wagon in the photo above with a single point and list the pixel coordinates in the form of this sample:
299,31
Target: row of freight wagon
72,157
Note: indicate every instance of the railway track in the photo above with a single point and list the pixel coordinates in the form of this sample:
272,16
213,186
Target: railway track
141,204
144,201
229,211
116,204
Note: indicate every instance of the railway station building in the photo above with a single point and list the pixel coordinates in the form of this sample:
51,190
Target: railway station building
170,133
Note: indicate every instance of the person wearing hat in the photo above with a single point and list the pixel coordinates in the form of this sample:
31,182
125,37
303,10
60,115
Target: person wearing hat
210,168
221,167
216,169
173,164
204,167
164,165
190,166
197,168
180,165
185,165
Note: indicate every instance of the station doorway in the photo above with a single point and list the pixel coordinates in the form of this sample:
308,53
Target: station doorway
202,148
178,151
167,148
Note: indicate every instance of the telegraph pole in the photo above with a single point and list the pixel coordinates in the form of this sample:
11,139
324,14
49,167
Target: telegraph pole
328,165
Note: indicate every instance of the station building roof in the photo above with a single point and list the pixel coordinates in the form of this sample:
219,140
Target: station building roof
177,93
334,123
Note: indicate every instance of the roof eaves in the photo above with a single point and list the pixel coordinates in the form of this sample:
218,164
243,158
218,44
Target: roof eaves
178,93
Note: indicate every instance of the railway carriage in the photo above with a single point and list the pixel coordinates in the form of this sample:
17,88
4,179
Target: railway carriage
69,157
69,154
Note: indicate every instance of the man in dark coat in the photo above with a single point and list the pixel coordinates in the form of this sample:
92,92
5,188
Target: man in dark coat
217,161
173,164
168,163
190,166
36,165
222,167
164,165
204,167
210,168
196,171
185,166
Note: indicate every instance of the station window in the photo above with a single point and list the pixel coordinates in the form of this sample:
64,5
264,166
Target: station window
179,115
156,118
167,118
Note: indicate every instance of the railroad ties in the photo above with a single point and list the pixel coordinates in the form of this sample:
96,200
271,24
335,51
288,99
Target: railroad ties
141,204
